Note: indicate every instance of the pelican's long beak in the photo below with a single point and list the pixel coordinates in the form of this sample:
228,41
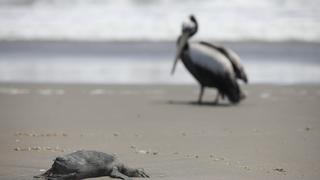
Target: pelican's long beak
182,42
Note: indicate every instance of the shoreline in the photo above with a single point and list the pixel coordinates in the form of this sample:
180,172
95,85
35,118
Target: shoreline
157,41
154,48
143,62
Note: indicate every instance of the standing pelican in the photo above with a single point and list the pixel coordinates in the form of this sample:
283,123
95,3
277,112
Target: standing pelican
211,65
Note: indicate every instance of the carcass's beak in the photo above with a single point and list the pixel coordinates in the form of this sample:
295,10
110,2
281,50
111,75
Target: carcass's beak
181,44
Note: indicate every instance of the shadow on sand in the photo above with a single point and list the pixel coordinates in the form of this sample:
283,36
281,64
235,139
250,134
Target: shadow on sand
195,103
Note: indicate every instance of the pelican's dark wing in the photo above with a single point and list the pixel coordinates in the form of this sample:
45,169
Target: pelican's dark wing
209,59
233,58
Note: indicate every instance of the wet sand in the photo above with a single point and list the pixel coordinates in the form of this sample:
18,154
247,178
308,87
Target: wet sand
273,134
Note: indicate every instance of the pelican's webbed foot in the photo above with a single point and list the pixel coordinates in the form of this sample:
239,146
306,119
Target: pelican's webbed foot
115,173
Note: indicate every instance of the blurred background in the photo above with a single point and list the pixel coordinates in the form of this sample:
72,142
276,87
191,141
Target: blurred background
133,41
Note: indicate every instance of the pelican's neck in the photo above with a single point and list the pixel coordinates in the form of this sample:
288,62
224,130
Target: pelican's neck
195,27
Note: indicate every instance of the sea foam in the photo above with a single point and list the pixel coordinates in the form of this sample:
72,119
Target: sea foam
234,20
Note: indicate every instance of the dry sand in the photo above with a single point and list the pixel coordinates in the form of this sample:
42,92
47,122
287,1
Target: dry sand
273,134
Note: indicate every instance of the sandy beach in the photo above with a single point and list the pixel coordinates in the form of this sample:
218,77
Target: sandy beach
273,134
95,75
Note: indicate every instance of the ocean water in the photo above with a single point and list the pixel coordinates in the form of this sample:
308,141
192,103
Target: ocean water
148,63
158,20
159,23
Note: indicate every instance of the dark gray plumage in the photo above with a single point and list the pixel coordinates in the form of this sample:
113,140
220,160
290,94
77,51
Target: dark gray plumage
211,65
87,164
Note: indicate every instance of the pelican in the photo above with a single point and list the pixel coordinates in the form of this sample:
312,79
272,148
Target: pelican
211,65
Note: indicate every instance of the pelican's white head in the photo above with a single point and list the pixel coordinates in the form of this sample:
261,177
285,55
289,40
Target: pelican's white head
190,26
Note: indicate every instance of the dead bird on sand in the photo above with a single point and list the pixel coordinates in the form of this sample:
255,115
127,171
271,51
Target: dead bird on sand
87,164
